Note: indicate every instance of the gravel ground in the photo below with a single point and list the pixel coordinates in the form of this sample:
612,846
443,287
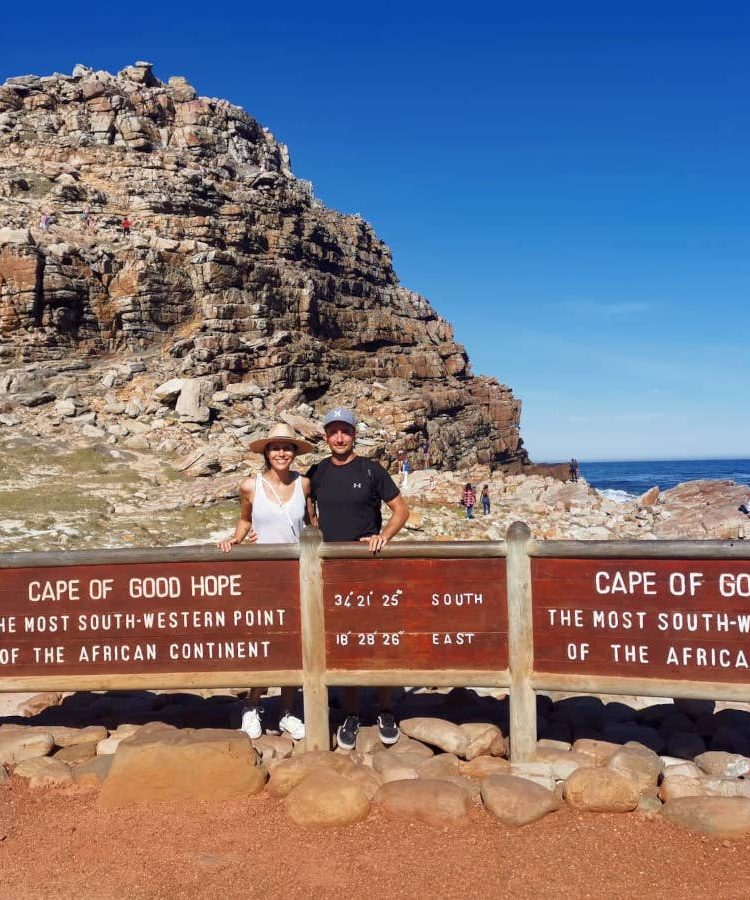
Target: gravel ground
54,844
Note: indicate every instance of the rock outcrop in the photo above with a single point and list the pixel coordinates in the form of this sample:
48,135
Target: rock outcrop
231,269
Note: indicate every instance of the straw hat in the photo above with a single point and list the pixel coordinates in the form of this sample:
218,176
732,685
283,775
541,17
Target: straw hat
281,432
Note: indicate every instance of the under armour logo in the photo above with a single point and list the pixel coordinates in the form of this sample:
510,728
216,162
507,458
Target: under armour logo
357,484
337,412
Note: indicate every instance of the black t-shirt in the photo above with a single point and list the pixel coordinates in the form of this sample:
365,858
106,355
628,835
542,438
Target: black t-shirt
349,497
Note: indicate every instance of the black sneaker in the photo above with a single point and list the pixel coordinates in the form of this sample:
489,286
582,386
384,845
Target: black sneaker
389,730
346,736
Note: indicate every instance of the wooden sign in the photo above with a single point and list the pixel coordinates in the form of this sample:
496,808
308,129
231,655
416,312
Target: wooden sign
150,618
415,614
648,618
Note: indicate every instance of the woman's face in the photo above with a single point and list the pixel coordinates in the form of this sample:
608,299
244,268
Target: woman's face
279,455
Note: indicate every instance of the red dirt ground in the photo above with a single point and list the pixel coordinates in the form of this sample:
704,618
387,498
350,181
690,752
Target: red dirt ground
64,845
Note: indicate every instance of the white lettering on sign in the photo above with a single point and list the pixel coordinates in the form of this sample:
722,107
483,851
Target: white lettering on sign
184,618
630,653
49,655
716,657
45,624
220,650
625,582
458,638
578,651
154,588
116,621
41,591
617,618
465,599
251,618
215,585
107,653
9,655
734,585
566,617
7,624
100,588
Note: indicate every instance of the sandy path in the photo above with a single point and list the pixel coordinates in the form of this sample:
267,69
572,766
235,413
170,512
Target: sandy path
53,844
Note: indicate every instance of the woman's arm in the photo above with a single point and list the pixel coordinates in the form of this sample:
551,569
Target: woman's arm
244,528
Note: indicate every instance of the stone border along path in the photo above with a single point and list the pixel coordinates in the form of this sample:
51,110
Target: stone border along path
685,761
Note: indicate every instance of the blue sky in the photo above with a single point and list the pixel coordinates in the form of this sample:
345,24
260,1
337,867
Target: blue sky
567,183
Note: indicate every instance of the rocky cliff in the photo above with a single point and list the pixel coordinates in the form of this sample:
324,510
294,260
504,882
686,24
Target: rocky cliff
234,277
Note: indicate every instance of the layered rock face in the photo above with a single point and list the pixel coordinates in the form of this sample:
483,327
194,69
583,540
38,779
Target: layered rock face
232,268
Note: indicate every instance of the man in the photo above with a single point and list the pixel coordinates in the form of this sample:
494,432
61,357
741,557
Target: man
348,491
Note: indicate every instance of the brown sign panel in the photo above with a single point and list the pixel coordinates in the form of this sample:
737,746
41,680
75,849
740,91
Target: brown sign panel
150,617
416,613
674,619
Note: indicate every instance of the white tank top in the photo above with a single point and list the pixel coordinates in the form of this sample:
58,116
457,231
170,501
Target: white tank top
274,522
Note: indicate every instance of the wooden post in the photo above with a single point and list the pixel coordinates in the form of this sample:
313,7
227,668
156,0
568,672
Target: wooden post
315,692
520,645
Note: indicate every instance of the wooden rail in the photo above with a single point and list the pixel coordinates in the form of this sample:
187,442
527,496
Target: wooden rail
654,618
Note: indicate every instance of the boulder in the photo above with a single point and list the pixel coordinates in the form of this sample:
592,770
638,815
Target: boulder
517,801
649,497
44,771
93,773
562,762
599,751
639,764
69,737
187,764
325,798
722,764
273,747
483,767
472,788
39,702
15,746
429,800
394,767
77,753
484,740
601,790
407,745
719,817
674,786
438,766
288,773
366,778
541,773
437,732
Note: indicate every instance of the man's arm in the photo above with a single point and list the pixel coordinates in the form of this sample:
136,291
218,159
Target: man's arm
399,516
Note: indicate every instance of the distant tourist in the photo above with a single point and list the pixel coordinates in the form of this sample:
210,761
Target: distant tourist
126,225
574,469
485,498
44,221
273,509
426,455
405,469
469,500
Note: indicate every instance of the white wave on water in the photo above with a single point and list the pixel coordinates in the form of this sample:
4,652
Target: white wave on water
617,495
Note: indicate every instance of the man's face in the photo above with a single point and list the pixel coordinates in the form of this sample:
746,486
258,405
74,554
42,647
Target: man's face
340,438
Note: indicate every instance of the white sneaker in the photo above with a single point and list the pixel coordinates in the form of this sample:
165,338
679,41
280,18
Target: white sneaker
293,726
251,722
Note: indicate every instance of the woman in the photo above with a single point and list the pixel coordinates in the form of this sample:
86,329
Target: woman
485,498
272,511
468,499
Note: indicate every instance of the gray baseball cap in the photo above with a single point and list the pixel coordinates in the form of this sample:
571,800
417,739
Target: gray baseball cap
340,414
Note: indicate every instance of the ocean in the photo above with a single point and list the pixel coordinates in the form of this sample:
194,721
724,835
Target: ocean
630,478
